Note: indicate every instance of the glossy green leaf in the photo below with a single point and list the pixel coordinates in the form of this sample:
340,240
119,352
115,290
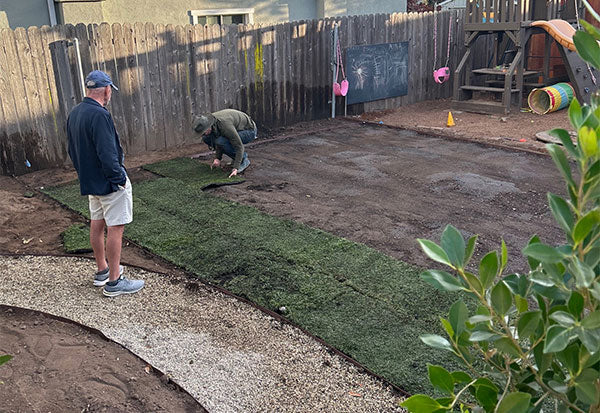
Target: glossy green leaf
474,282
575,115
543,253
575,304
470,249
585,386
565,138
587,48
558,387
483,336
557,339
458,316
543,361
501,298
487,397
542,278
488,269
441,379
503,256
590,339
528,323
506,346
441,280
569,358
476,319
453,244
435,341
559,158
420,403
584,275
561,212
521,304
595,290
563,318
447,326
460,377
516,402
591,321
585,224
434,251
533,263
592,258
588,141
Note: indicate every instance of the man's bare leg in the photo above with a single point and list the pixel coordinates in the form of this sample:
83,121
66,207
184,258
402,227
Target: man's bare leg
97,242
114,241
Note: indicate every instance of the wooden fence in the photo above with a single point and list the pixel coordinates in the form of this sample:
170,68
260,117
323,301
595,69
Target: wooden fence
279,74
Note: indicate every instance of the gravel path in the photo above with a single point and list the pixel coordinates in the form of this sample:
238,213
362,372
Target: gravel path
228,355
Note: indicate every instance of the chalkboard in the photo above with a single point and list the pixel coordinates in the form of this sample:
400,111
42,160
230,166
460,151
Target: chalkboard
377,71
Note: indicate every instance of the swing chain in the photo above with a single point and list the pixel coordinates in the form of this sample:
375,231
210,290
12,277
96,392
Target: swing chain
434,42
449,37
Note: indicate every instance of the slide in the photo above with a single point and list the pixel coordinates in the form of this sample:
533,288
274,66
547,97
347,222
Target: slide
560,30
584,79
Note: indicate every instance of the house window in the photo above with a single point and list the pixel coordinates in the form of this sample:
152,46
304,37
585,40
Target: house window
222,16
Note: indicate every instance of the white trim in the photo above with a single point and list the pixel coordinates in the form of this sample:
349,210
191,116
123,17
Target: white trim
248,14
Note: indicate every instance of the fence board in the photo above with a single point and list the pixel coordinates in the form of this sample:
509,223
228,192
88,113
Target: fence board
13,159
278,74
156,106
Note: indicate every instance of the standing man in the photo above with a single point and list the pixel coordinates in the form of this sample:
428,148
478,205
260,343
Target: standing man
97,155
226,132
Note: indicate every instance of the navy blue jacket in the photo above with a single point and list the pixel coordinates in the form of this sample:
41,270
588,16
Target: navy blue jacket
94,149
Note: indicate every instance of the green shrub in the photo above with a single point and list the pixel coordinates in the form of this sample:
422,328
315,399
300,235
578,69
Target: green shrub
534,339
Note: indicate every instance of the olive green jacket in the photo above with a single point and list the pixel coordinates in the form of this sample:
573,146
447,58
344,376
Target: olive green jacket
228,123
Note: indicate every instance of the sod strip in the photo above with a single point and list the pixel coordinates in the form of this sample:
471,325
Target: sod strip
193,172
76,239
368,305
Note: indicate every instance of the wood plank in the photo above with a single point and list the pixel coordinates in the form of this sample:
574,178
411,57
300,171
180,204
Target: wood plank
212,49
117,101
81,32
156,128
198,70
487,89
12,156
137,127
59,128
175,107
276,67
271,92
45,118
183,38
124,84
241,86
144,85
35,139
164,72
286,74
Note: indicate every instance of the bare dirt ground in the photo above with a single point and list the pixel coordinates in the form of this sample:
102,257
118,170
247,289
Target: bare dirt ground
58,366
374,184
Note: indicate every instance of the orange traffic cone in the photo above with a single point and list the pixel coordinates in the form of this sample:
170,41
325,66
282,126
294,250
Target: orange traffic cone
450,121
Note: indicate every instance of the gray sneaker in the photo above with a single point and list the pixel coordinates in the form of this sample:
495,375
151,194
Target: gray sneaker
123,286
245,163
101,277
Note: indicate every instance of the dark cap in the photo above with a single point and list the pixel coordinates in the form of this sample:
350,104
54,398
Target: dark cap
203,122
98,78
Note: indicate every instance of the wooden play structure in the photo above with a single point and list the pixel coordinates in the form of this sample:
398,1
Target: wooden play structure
512,23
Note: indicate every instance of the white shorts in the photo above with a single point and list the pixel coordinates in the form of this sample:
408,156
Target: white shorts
115,208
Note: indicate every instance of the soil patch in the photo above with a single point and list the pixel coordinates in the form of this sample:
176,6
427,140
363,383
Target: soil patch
59,366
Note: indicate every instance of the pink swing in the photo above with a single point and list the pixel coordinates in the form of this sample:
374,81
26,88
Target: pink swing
443,73
339,89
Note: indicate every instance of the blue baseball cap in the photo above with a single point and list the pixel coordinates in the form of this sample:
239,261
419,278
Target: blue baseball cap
98,78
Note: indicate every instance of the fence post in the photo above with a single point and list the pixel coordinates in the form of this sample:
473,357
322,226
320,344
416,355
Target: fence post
64,78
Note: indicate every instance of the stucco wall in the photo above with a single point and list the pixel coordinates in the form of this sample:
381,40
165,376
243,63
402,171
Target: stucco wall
23,13
352,7
177,12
